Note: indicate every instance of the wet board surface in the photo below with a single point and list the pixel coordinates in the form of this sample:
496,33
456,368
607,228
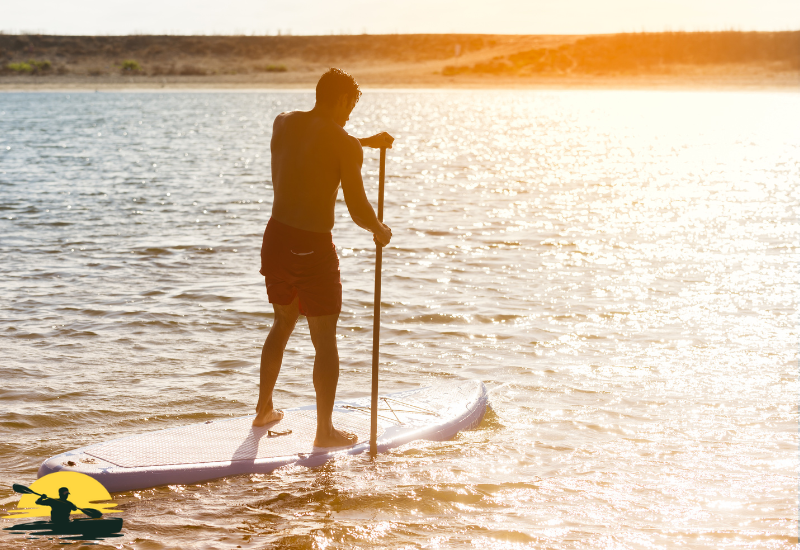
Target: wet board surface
232,446
226,439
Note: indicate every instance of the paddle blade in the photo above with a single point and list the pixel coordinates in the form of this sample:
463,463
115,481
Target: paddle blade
22,489
91,512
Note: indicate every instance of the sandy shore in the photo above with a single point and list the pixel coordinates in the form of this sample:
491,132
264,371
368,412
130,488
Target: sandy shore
784,81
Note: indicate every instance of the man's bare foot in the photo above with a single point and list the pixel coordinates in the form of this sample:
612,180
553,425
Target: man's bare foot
336,438
267,417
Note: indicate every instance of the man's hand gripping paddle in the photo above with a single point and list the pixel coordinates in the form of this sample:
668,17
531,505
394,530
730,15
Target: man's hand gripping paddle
91,512
376,328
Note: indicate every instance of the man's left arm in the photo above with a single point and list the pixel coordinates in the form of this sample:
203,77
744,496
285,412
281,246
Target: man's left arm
358,205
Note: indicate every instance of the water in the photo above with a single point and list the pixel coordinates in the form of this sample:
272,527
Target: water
620,268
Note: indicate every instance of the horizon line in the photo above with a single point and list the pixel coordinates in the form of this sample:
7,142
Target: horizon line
280,34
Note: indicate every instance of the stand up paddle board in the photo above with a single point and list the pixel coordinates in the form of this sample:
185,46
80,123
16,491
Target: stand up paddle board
227,447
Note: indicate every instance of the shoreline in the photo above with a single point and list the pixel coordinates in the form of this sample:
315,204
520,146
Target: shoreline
781,82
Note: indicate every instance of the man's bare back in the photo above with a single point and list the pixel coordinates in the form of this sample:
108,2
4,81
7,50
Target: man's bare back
307,151
312,155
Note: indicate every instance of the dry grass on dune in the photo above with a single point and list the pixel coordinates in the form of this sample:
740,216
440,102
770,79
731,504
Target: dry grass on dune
402,60
650,53
220,55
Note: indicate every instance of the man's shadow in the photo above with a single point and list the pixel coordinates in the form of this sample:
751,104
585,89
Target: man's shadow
248,448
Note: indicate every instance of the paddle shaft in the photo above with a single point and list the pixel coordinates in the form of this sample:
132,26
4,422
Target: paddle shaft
91,512
376,327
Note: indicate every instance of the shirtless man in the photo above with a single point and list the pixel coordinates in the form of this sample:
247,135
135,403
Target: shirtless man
311,155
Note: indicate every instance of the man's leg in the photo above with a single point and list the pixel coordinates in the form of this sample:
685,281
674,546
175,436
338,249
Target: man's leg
326,377
271,358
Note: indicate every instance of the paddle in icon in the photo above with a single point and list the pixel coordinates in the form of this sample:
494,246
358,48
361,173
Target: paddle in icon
91,512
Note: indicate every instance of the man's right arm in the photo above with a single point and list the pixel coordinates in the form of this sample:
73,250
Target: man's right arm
354,195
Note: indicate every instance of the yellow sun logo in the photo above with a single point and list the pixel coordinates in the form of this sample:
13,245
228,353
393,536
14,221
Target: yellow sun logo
84,492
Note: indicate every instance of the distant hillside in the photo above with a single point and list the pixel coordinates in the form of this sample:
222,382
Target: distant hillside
648,53
233,54
403,60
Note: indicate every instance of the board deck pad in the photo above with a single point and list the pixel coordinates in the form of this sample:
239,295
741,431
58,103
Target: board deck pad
234,439
232,446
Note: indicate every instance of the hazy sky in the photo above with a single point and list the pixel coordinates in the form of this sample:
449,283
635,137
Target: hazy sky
392,16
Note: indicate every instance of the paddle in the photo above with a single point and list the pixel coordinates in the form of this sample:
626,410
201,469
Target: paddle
376,327
91,512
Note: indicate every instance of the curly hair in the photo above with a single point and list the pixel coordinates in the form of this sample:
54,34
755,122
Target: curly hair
333,84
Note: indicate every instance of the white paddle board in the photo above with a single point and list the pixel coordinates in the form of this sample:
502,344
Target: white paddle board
227,447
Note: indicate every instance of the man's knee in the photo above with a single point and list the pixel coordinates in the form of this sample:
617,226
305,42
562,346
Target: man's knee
283,327
323,332
325,344
285,317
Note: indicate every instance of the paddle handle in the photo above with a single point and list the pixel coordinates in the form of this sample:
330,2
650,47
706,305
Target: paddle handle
376,327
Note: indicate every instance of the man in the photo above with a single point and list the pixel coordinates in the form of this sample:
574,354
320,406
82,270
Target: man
59,508
311,155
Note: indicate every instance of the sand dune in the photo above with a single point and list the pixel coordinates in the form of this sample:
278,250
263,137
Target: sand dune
718,59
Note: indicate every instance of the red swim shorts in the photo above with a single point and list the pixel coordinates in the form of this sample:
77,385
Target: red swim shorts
298,262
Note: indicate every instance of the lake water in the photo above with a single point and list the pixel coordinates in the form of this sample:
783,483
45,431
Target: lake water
619,267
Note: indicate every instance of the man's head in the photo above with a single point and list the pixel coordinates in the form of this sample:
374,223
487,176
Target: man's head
338,92
63,493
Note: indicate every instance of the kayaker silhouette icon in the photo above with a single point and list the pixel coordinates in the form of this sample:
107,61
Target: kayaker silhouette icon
76,492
